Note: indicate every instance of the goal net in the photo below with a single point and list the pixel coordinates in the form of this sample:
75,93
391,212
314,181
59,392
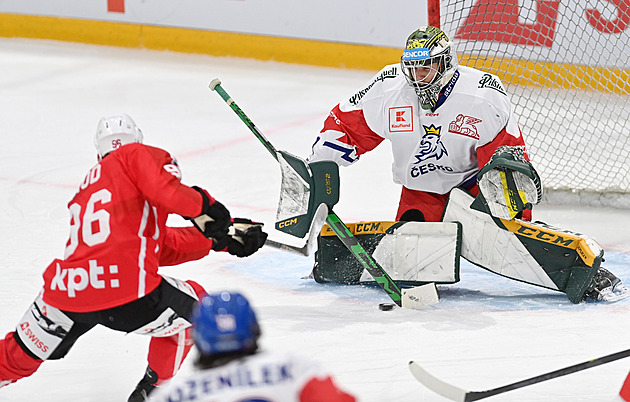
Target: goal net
566,66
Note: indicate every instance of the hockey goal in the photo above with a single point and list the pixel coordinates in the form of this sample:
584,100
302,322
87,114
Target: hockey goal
566,66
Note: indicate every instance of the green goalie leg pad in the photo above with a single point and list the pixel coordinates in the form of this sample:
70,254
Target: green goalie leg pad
569,259
530,252
334,263
412,253
580,279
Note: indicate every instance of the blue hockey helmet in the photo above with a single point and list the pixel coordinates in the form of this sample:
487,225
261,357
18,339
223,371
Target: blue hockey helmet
225,322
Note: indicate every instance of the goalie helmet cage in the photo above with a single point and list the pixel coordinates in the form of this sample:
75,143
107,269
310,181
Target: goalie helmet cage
566,68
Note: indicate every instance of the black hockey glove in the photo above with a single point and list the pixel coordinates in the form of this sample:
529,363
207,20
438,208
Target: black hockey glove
214,220
244,240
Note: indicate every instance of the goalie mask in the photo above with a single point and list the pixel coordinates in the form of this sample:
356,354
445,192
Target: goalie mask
114,132
428,63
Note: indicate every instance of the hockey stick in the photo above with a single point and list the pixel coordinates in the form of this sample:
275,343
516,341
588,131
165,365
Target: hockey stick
338,227
304,250
457,394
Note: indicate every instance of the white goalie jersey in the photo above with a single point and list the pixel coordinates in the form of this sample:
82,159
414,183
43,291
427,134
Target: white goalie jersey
434,150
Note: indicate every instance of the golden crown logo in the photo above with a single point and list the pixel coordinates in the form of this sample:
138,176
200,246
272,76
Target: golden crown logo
432,129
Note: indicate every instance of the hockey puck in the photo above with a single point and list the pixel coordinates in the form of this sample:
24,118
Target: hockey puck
386,306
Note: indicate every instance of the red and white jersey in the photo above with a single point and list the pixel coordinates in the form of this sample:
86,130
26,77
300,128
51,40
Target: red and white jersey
262,377
118,233
433,150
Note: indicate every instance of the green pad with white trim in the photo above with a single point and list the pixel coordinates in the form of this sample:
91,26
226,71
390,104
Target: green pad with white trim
412,253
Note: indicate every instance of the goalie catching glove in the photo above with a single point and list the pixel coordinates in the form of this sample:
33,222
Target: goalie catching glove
508,183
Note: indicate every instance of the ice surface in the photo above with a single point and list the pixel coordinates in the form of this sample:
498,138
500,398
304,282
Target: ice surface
486,331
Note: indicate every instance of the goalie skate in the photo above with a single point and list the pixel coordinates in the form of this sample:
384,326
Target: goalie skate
617,293
607,287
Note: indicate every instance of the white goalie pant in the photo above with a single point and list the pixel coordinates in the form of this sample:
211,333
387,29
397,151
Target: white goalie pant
496,249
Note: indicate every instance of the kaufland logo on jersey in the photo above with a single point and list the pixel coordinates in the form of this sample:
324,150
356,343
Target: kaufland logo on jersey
400,119
416,54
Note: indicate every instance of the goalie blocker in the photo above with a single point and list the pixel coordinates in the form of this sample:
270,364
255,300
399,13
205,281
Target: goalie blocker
416,253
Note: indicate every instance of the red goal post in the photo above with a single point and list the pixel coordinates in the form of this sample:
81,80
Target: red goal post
567,68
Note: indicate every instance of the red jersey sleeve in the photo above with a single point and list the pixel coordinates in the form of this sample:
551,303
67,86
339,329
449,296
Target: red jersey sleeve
182,245
484,153
157,176
354,128
317,390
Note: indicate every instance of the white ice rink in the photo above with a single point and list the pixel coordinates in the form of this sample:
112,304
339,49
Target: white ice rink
486,331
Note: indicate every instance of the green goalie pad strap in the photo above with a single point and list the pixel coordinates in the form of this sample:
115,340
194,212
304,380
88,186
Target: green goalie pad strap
319,184
412,253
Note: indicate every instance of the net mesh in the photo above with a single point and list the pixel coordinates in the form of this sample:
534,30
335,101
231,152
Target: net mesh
563,64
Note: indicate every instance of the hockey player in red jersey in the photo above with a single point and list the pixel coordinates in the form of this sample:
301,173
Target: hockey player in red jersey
624,394
452,130
231,368
109,273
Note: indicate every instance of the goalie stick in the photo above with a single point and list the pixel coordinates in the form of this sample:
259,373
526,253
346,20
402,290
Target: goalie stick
457,394
304,250
341,230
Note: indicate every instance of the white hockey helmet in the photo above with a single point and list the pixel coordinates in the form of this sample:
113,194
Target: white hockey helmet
428,49
115,131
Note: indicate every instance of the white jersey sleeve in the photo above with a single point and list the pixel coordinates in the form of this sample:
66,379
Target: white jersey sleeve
354,126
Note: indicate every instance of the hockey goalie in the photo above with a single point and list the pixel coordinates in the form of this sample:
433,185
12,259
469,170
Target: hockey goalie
468,187
480,230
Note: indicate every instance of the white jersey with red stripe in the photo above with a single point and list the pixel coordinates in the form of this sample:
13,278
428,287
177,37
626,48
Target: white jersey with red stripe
433,150
118,233
264,377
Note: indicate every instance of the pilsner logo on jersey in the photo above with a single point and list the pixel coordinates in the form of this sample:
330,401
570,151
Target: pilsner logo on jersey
391,73
489,81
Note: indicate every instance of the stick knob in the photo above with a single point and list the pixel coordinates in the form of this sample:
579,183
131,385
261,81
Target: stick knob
214,83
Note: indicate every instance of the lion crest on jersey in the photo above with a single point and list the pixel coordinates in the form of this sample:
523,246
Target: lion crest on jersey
430,144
